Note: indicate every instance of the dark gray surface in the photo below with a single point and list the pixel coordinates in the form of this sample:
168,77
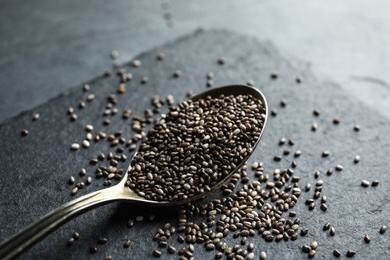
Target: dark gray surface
48,46
35,168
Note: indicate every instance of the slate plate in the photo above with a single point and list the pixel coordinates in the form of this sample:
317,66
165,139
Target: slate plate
35,169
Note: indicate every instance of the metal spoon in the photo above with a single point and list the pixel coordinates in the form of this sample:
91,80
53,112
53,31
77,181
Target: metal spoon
38,230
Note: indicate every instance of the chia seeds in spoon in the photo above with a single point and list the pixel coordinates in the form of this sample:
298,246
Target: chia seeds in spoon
195,146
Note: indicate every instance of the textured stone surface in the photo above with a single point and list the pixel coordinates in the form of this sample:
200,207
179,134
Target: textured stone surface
35,169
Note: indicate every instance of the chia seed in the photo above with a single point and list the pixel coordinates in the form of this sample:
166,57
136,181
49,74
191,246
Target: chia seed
383,229
24,132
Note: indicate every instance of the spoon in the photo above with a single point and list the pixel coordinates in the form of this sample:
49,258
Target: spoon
32,234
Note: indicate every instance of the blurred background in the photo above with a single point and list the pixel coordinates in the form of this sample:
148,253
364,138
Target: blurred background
49,46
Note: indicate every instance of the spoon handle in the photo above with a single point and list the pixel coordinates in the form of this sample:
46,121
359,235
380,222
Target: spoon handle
27,237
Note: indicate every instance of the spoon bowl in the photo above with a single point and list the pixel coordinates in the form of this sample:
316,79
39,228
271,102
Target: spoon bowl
38,230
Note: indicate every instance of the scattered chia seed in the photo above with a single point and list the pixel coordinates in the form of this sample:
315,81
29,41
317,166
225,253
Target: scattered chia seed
136,63
102,240
107,73
75,235
86,144
114,54
35,117
73,117
127,243
180,239
88,128
70,241
121,88
171,249
177,74
365,183
375,183
274,75
314,126
93,161
210,83
351,253
81,104
306,249
304,231
130,223
339,168
382,230
218,255
74,146
298,79
332,231
357,159
367,239
336,253
86,88
222,61
210,75
250,83
160,56
93,249
326,226
250,256
144,80
293,164
255,165
156,253
106,121
210,247
277,158
82,172
24,132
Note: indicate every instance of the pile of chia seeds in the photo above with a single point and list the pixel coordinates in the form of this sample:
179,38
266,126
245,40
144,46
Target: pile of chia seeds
195,146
